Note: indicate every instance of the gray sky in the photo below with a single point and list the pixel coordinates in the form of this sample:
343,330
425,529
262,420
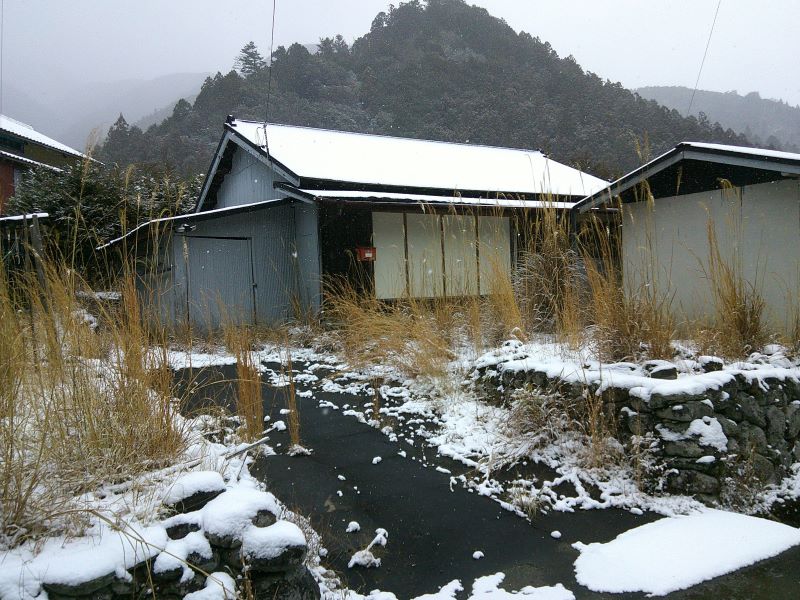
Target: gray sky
638,42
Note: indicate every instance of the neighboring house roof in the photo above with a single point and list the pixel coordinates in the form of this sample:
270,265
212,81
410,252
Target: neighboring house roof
27,132
317,158
753,159
26,161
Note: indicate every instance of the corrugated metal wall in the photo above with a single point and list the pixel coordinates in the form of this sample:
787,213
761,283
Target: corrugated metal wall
248,268
308,268
249,181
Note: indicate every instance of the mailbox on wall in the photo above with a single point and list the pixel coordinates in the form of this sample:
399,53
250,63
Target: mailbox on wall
365,254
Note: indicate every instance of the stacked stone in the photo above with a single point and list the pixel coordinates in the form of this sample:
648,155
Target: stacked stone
280,577
759,416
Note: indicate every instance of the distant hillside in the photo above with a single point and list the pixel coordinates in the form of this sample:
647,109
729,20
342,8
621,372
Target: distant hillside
71,113
441,70
771,123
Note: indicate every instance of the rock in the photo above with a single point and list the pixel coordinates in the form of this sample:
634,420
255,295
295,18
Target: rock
693,482
763,469
121,587
686,412
638,424
181,530
659,401
792,421
776,425
298,585
752,412
81,589
208,565
729,428
263,518
710,363
195,501
661,369
796,451
684,449
752,438
290,558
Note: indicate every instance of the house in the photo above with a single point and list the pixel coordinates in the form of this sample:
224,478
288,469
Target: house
22,147
740,204
283,207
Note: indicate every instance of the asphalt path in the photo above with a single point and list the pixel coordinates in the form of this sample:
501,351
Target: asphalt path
434,527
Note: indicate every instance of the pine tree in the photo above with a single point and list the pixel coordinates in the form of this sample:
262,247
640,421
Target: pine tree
249,60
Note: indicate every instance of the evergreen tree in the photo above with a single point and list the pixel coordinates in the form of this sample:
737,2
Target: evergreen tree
249,61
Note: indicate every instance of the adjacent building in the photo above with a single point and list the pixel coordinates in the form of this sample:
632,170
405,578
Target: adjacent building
22,147
741,205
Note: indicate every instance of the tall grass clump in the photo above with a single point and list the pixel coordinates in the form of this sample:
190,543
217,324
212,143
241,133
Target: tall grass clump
404,334
629,320
85,400
249,404
548,280
738,326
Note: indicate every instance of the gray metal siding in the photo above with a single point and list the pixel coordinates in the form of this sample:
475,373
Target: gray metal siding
308,256
250,180
220,259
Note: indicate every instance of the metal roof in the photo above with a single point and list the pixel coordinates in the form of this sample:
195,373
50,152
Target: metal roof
198,216
738,156
320,154
23,130
398,198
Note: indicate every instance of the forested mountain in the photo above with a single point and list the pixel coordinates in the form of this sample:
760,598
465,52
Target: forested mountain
441,70
771,123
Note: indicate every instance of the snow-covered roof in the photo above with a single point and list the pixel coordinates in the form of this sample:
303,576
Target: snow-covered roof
743,156
759,152
400,197
390,161
24,130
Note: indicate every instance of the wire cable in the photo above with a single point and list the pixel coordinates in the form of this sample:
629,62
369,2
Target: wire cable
703,62
269,76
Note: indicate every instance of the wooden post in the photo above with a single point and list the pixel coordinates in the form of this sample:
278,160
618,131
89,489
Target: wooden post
38,249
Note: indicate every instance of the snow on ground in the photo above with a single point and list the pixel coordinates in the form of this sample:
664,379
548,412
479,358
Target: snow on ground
127,525
690,549
488,588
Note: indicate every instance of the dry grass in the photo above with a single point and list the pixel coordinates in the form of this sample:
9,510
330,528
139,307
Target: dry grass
628,322
545,419
82,403
403,334
249,404
738,327
547,279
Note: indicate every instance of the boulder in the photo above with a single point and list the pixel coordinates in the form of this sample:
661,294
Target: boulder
776,425
693,482
85,588
686,412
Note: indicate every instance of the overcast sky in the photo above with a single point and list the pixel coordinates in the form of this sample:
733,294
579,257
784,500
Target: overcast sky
755,46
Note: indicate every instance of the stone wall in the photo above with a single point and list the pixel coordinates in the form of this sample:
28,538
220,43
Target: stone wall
711,426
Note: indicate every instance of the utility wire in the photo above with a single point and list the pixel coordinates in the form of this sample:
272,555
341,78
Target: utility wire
269,77
703,62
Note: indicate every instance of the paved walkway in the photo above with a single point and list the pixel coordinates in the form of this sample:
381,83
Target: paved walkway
434,531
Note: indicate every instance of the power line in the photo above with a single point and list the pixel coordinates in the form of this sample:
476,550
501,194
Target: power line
269,77
703,62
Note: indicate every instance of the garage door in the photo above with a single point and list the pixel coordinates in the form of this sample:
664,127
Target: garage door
221,283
